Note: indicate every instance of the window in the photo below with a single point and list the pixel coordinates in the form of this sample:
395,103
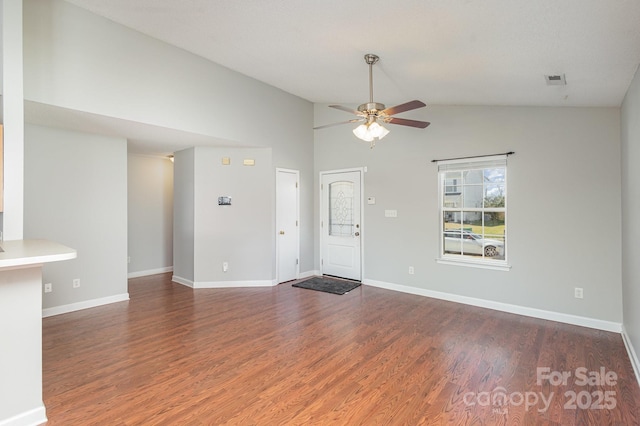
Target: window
473,206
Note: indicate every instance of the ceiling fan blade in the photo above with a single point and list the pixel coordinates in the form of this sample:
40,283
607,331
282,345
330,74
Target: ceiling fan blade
406,122
404,107
351,110
355,120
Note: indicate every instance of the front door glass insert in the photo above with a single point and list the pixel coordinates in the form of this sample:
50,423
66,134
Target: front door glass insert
341,209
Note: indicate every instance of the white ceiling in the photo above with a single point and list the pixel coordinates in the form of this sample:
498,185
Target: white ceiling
444,52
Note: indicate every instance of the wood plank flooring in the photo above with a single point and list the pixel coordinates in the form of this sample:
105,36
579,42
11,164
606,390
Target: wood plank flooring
289,356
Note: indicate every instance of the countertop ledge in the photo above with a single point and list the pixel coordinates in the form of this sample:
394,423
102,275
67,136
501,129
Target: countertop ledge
32,252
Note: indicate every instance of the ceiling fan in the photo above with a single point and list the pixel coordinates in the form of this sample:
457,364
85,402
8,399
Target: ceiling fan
372,113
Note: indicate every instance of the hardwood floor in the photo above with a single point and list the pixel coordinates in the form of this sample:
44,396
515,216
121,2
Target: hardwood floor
290,356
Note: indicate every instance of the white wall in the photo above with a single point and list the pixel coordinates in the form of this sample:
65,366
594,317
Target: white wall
242,234
76,194
13,118
564,203
77,60
630,136
150,214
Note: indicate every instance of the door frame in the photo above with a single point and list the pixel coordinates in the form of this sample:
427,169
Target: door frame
297,234
360,170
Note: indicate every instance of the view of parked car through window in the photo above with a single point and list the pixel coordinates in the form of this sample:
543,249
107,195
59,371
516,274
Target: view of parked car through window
466,242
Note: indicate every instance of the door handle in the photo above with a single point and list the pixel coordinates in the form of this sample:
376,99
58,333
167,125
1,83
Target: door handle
281,232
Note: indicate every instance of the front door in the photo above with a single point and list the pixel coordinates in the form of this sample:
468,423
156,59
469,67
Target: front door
340,224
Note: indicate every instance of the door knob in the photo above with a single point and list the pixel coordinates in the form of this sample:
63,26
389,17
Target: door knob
357,234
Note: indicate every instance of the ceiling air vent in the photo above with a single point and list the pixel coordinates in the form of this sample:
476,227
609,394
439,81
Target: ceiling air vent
555,80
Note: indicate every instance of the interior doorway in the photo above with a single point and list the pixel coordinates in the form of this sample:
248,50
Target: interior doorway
287,225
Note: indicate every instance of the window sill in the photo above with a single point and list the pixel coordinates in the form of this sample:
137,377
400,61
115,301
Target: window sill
496,266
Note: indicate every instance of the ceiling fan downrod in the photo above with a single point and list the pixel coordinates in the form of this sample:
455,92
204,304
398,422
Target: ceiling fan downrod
371,59
372,106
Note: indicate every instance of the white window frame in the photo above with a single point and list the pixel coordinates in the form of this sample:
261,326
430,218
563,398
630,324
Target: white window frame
480,163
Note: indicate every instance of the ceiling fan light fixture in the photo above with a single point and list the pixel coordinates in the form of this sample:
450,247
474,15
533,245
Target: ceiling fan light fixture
362,132
377,131
370,131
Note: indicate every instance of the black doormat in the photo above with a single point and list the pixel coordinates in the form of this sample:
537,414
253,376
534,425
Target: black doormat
328,285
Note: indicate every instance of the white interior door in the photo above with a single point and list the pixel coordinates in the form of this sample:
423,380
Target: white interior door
341,231
287,221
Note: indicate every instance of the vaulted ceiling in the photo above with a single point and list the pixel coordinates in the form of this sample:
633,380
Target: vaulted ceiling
445,52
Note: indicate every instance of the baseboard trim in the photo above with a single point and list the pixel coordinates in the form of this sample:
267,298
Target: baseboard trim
504,307
183,281
633,357
223,284
148,272
308,274
33,417
236,284
72,307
